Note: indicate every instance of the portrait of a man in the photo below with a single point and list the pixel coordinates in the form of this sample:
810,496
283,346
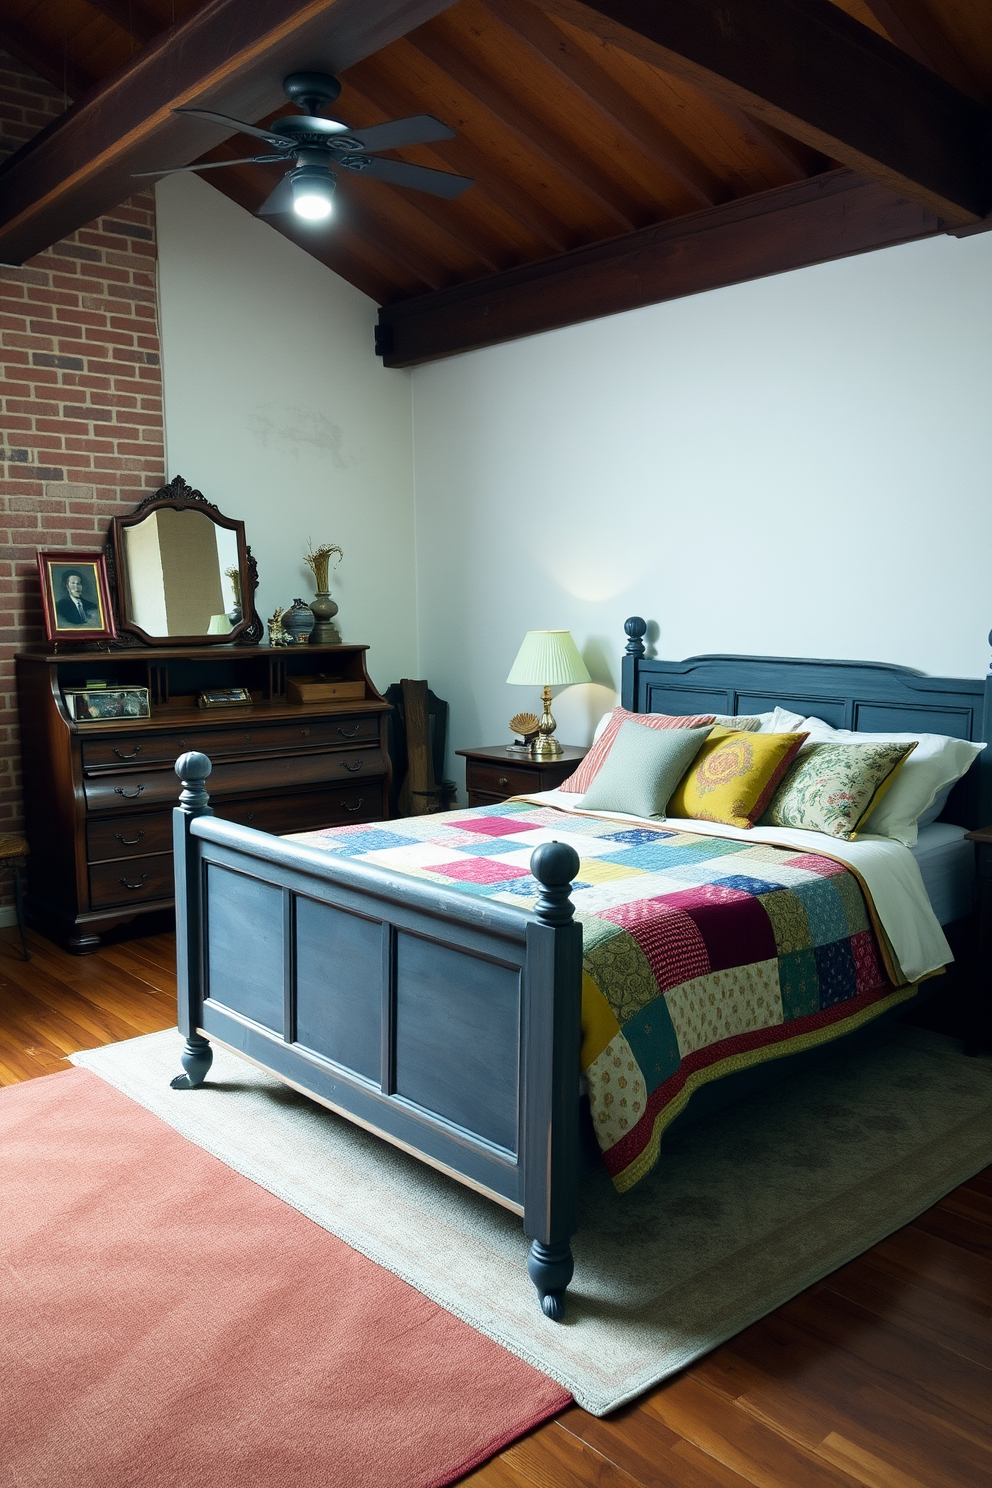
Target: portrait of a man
74,606
75,595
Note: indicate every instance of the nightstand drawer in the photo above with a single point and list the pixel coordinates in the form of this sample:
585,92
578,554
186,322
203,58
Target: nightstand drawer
511,779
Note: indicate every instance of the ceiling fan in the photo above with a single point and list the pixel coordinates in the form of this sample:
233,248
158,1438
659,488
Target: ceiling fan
320,146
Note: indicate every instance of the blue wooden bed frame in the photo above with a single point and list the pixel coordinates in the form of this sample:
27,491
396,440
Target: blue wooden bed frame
450,1024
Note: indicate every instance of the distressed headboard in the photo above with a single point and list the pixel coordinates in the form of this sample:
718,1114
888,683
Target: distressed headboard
866,695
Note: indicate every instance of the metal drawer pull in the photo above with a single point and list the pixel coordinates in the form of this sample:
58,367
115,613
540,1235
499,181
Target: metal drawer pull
128,795
139,885
353,768
503,780
133,755
129,841
345,807
349,733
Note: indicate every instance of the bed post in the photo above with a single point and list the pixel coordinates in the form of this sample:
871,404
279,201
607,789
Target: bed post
553,1038
634,650
197,1055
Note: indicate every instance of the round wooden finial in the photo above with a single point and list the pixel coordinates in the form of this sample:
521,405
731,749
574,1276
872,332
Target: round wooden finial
193,769
635,628
554,865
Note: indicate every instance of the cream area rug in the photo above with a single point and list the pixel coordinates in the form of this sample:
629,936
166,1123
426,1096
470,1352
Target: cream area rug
745,1208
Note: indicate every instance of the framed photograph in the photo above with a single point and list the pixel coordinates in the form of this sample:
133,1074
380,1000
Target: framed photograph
95,704
76,596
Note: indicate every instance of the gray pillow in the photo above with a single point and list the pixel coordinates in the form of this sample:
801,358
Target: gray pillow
642,769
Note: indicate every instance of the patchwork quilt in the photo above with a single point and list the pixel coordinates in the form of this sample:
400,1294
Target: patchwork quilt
701,955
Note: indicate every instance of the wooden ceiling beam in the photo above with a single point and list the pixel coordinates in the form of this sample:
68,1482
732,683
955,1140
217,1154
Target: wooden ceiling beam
809,69
460,156
790,227
46,60
228,56
599,91
567,162
915,29
129,17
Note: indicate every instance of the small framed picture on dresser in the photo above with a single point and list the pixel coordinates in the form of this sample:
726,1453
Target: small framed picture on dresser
75,596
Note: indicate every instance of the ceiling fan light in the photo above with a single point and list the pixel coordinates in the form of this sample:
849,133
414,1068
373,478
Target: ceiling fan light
313,192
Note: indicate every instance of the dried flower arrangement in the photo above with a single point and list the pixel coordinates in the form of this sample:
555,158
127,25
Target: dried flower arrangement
319,561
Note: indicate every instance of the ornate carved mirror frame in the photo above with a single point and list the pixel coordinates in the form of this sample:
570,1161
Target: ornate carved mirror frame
179,496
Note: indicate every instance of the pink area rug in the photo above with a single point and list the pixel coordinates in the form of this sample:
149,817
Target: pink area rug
169,1324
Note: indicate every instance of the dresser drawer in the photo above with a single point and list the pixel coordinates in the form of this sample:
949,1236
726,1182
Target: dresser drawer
221,743
132,881
309,811
129,836
501,781
112,792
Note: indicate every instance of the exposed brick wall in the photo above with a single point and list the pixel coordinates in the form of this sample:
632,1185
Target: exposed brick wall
81,434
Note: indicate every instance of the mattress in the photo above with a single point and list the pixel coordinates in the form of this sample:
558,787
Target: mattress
947,867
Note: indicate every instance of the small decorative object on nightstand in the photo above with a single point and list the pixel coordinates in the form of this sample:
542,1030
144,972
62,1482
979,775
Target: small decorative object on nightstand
547,658
490,777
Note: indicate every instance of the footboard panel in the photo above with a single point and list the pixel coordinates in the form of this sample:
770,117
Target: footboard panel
391,1013
447,1023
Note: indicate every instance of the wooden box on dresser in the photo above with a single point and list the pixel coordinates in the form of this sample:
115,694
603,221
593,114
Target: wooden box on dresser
98,796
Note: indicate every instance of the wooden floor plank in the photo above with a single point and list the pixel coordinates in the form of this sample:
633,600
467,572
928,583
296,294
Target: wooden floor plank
741,1441
879,1376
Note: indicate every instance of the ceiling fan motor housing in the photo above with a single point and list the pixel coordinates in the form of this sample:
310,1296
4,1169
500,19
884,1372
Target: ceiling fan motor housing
311,91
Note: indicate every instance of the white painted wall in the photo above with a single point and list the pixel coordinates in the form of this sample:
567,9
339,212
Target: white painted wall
799,466
278,410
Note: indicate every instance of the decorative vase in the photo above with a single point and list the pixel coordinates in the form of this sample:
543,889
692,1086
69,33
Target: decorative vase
299,621
325,632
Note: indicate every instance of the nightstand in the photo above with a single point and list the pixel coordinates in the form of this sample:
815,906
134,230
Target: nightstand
495,774
979,1035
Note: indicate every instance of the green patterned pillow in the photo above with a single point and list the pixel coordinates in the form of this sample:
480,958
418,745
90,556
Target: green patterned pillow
832,787
642,769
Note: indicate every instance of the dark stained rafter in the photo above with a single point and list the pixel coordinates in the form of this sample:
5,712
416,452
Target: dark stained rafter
917,32
229,56
645,133
791,227
809,69
562,157
624,151
129,16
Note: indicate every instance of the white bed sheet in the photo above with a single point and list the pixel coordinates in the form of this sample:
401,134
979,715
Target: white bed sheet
890,871
947,866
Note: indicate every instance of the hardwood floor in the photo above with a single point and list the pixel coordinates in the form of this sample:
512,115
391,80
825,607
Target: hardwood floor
878,1377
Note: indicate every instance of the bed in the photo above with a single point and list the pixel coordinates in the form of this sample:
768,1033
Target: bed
447,1019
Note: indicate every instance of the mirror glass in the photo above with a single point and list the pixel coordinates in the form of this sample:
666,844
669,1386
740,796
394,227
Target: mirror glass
182,574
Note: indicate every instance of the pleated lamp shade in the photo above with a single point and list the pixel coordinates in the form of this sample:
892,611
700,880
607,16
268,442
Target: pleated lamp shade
548,658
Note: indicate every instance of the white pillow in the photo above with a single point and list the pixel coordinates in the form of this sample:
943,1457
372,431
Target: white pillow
935,765
601,725
781,721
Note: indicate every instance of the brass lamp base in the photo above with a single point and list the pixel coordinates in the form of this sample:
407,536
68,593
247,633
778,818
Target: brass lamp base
545,745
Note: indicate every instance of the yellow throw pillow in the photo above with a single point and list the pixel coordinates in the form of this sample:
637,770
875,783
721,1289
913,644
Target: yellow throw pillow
734,776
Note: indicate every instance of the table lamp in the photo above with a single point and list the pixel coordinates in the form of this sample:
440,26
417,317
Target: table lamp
547,658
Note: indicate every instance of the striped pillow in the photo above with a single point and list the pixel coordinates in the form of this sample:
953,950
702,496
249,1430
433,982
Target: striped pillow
596,758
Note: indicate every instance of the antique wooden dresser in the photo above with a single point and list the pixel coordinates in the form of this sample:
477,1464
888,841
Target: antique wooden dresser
98,796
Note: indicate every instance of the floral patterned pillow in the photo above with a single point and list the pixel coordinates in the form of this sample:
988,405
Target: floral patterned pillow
831,788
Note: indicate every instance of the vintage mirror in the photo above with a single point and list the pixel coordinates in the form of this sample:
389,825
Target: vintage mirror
184,574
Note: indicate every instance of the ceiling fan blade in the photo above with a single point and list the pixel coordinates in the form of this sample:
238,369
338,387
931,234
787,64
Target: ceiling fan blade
416,177
239,124
173,170
280,200
419,129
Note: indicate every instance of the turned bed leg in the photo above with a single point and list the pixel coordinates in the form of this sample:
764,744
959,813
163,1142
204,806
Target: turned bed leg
553,1035
550,1268
196,1059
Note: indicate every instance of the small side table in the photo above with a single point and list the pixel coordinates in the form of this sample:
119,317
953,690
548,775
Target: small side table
495,773
979,1034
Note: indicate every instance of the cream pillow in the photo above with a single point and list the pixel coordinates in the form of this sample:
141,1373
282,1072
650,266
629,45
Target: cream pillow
936,764
781,721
